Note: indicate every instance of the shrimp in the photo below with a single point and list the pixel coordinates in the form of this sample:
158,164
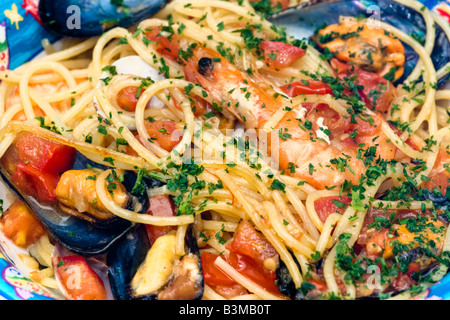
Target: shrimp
371,48
313,144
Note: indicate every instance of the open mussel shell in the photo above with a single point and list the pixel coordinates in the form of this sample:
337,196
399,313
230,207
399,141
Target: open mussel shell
127,255
427,264
286,284
302,21
77,234
88,18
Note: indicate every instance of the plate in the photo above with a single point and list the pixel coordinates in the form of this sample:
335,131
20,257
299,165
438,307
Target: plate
19,20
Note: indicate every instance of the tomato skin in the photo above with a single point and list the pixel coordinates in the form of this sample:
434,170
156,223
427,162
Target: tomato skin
126,98
312,87
35,182
439,180
212,274
249,242
164,133
320,285
254,271
325,206
341,68
404,281
161,132
20,225
45,155
78,280
286,54
440,176
167,46
160,206
39,163
249,251
371,83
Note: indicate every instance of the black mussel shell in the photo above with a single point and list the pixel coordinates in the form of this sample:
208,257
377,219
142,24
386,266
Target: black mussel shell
305,20
436,197
284,281
137,187
76,234
87,18
127,255
124,260
286,284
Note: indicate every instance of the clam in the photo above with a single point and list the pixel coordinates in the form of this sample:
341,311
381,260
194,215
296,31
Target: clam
306,19
141,271
81,19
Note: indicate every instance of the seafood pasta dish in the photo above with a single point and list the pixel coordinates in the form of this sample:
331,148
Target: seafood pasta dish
206,153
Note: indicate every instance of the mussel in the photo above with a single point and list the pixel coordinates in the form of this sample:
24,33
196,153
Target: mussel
82,232
82,19
286,284
139,270
305,20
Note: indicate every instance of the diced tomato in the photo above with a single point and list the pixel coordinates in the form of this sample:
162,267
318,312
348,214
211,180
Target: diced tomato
217,279
328,205
254,271
126,98
45,155
319,284
160,206
440,176
20,225
336,123
212,274
404,281
167,46
408,141
413,268
35,182
306,87
40,162
164,133
368,128
78,280
278,54
439,180
343,69
249,242
249,251
377,92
